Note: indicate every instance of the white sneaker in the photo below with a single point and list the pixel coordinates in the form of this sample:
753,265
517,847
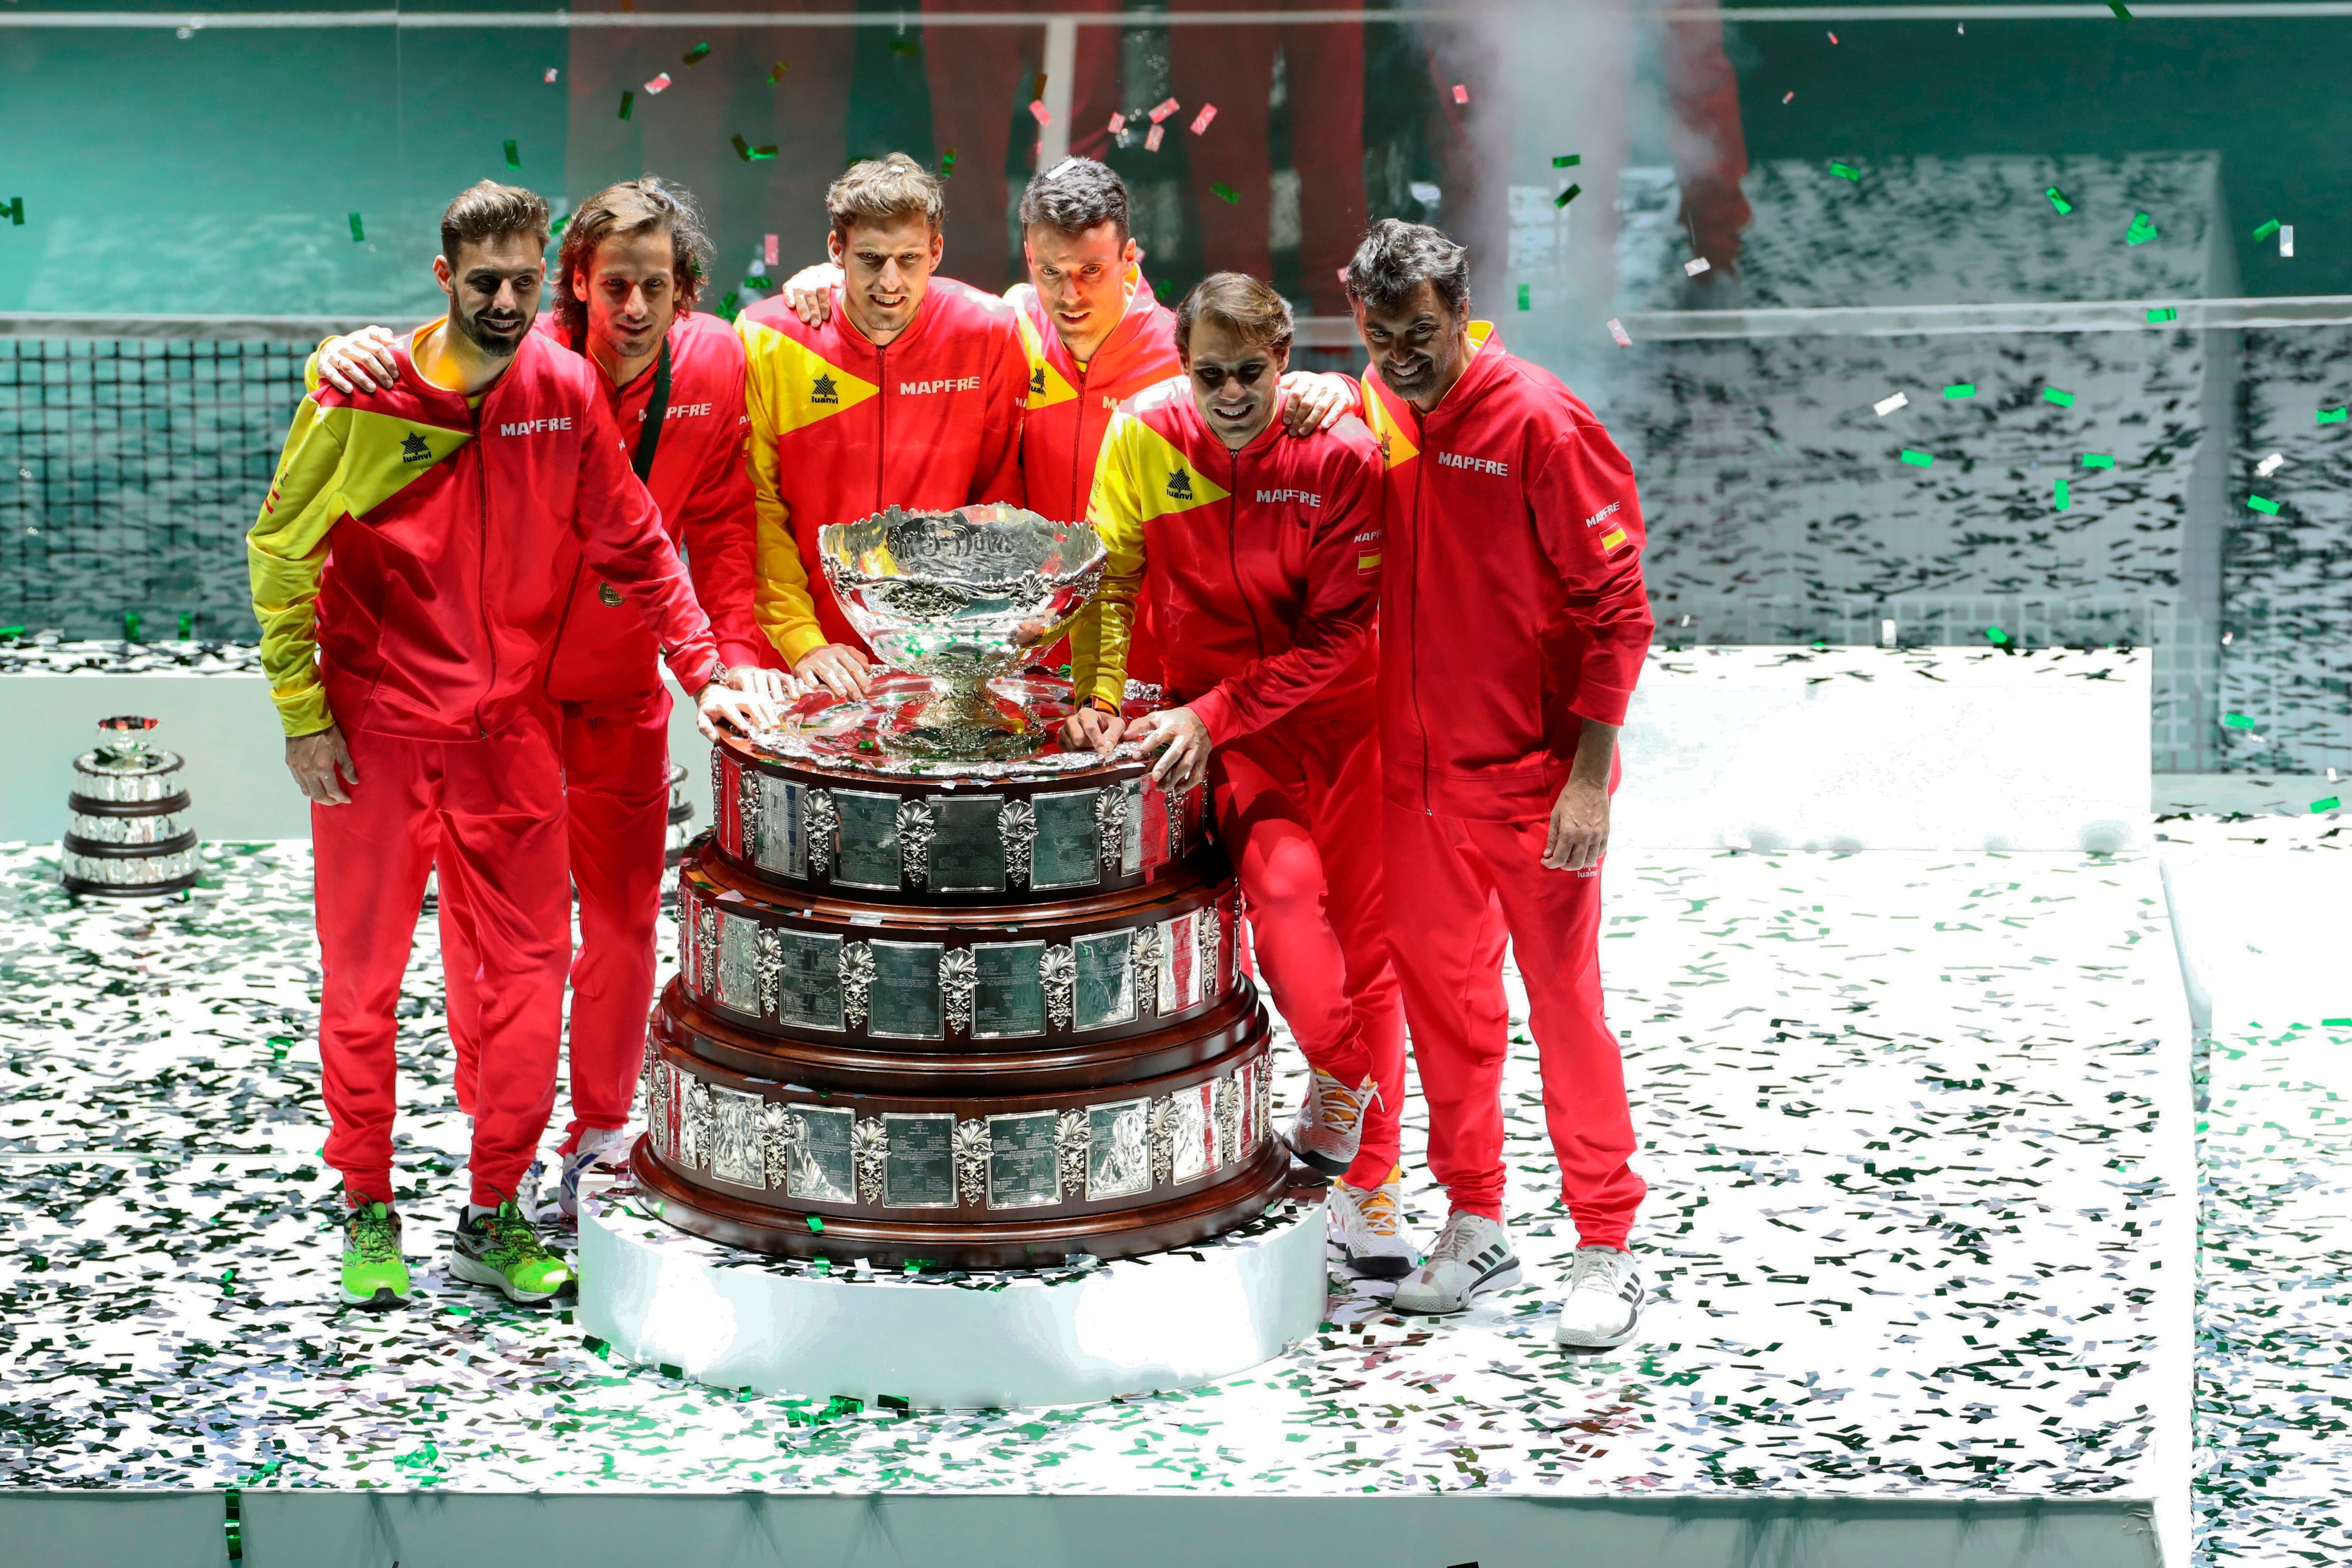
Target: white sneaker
1372,1228
1471,1255
1330,1125
598,1146
1603,1304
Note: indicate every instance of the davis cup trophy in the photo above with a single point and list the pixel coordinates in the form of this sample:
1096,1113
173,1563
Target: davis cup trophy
948,993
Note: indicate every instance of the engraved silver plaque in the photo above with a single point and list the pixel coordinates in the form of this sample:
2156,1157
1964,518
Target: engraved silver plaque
968,848
738,964
783,846
1064,855
1010,999
1151,826
868,853
808,980
819,1166
1106,979
736,1155
1195,1139
918,1161
1024,1168
1118,1154
1179,964
905,1004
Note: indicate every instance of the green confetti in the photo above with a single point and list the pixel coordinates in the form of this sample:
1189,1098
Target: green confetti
1568,160
2329,416
2142,230
2063,399
1522,296
694,55
14,211
514,157
1996,635
1961,389
278,1046
2058,199
2329,804
555,230
2062,502
816,1225
2165,313
188,625
1846,172
947,165
2267,230
2336,1023
906,46
727,307
1568,195
2236,721
2097,460
358,235
893,1402
1224,192
130,625
751,154
776,73
1918,459
2263,505
628,101
2117,7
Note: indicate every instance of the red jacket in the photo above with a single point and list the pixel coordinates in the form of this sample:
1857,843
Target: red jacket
840,429
1070,408
1262,566
411,563
700,483
1514,608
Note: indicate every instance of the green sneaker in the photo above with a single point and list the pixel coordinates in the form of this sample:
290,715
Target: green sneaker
500,1248
376,1280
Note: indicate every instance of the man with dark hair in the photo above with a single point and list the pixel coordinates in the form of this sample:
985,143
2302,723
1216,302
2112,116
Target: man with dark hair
1260,556
1513,626
410,568
1095,336
907,392
632,268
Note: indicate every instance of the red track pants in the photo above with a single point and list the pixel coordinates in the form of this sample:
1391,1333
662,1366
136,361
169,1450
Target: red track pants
1299,809
489,809
1233,68
616,791
1473,884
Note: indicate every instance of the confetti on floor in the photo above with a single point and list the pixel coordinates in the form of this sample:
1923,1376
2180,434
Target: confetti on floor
1898,1114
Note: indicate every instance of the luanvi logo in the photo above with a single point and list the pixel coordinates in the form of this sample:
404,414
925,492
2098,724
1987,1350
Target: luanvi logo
822,389
1180,485
414,450
1037,382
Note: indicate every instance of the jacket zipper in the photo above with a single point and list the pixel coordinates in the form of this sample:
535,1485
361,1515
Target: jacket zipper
482,583
1412,605
1233,544
882,440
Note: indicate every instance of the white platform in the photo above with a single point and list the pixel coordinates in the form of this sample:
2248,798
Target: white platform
1176,1320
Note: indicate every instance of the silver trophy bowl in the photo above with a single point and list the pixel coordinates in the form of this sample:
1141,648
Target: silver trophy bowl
961,598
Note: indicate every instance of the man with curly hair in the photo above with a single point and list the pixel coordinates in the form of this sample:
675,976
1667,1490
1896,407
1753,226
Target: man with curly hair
633,265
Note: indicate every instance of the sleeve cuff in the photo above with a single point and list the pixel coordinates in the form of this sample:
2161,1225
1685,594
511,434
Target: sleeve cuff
304,713
735,652
797,642
1602,705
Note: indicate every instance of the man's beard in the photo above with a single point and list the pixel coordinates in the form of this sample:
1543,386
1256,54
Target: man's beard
499,342
1413,383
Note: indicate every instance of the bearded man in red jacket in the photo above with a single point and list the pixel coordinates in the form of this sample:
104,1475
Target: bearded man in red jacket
632,270
1513,626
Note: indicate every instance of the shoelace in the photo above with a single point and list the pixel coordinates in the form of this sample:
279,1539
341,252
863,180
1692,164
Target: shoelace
512,1241
1379,1207
1337,1106
374,1234
1455,1242
1591,1263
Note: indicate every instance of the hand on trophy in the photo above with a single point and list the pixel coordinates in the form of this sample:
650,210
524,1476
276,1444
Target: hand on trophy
809,292
1185,762
719,705
359,361
757,680
1090,729
321,764
838,667
1313,402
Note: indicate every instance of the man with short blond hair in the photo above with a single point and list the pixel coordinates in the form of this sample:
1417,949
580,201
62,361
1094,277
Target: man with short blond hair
908,393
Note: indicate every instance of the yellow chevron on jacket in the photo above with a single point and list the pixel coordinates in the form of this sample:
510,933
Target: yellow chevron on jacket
1047,385
1140,475
338,462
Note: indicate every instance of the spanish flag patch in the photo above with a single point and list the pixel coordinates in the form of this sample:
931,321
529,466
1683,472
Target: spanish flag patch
1613,540
1368,563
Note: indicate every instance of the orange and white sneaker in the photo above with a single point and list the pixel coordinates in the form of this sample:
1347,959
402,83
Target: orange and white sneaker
1330,1125
1371,1227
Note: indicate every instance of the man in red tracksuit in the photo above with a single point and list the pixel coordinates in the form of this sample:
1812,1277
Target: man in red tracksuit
410,570
909,393
631,271
1260,555
1513,625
